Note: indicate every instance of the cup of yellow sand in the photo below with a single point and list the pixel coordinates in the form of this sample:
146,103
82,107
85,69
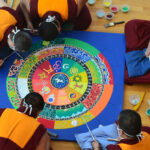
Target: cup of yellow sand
107,3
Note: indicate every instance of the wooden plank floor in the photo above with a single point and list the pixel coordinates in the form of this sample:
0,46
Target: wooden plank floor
139,9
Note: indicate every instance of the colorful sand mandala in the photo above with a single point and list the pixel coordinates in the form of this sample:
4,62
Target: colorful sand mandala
74,78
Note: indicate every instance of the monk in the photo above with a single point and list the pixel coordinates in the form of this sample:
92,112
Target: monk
49,15
19,130
131,134
11,37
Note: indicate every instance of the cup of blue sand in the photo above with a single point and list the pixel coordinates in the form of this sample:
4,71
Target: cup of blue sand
100,13
125,8
91,2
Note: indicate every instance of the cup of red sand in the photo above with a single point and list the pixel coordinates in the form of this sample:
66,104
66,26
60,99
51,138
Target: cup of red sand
114,8
109,15
125,8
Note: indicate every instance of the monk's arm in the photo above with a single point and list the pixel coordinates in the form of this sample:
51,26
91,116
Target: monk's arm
24,4
44,143
80,4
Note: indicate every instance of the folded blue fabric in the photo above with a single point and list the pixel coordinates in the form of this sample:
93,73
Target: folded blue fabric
137,63
101,134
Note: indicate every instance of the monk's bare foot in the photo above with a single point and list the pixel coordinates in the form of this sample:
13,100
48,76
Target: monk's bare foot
1,62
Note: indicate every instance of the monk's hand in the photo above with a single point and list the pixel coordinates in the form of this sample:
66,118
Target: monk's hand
30,26
96,145
147,53
1,62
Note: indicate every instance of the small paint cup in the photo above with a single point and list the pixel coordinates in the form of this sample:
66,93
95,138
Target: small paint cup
125,8
148,112
91,2
109,15
114,8
107,3
149,102
134,99
100,13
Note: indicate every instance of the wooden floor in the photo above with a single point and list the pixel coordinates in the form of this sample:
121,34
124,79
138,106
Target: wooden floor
139,9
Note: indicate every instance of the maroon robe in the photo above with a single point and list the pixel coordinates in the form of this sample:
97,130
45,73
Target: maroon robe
137,34
19,24
32,143
81,22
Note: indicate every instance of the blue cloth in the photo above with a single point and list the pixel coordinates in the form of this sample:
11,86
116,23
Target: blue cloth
101,134
137,63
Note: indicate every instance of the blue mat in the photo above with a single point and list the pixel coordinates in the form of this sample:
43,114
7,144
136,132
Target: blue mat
112,47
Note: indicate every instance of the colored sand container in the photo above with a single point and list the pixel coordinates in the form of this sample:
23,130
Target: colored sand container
100,13
91,2
107,3
114,8
125,8
149,102
109,15
134,99
148,112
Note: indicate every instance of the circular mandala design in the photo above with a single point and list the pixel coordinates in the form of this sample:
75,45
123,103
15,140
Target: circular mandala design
75,81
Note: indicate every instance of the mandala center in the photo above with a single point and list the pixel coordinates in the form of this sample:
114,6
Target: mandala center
59,80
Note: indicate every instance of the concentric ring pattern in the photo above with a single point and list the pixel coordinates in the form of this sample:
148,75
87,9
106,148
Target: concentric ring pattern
74,78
